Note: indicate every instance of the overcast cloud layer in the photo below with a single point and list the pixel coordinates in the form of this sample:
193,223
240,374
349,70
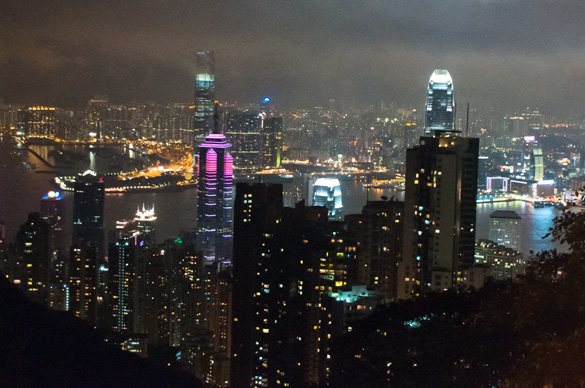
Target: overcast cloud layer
299,52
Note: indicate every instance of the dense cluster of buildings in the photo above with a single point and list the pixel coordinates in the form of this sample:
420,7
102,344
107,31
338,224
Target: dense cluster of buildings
254,297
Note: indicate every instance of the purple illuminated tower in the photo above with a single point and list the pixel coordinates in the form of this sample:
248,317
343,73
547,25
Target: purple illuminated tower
215,199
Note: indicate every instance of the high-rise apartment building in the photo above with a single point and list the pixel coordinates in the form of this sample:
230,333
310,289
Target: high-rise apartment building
440,104
87,245
215,199
439,212
204,97
376,234
281,319
506,228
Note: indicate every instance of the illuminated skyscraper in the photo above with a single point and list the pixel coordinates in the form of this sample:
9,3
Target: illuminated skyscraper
327,192
144,221
533,160
122,260
440,105
204,96
215,199
145,247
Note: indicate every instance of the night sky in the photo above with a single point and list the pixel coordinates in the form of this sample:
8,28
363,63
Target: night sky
509,53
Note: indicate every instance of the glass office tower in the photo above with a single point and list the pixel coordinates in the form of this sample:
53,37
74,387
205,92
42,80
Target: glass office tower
440,105
204,95
215,200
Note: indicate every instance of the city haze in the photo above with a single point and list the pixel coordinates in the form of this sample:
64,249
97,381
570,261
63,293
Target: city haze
505,53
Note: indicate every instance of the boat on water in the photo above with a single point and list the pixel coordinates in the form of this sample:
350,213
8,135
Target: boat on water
385,184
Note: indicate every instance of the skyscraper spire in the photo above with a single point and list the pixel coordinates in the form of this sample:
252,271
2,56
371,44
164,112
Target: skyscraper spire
216,117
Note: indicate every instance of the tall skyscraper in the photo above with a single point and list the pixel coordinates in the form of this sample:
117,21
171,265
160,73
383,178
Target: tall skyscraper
271,142
87,245
439,212
144,221
145,248
215,199
204,96
53,213
532,159
506,228
440,104
122,276
244,131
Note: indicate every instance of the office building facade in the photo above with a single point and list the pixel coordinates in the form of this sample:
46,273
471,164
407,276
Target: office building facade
506,228
244,132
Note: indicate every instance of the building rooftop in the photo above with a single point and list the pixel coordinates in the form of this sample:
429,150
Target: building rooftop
505,214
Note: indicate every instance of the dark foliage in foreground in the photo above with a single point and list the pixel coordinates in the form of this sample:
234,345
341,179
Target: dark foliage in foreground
45,348
527,333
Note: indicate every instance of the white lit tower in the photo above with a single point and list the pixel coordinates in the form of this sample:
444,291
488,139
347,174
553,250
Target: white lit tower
440,104
215,199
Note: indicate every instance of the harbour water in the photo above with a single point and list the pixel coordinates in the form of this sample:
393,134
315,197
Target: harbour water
22,187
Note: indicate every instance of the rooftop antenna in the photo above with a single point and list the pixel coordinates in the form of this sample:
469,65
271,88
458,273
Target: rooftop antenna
216,117
467,122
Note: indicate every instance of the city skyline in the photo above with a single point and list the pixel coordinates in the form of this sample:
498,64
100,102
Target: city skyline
502,52
300,247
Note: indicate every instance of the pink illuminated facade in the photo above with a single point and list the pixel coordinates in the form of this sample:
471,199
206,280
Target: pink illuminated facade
215,200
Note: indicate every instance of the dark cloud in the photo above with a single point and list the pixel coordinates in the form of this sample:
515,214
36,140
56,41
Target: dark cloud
505,52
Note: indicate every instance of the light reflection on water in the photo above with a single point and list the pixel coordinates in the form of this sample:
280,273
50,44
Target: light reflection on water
21,190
